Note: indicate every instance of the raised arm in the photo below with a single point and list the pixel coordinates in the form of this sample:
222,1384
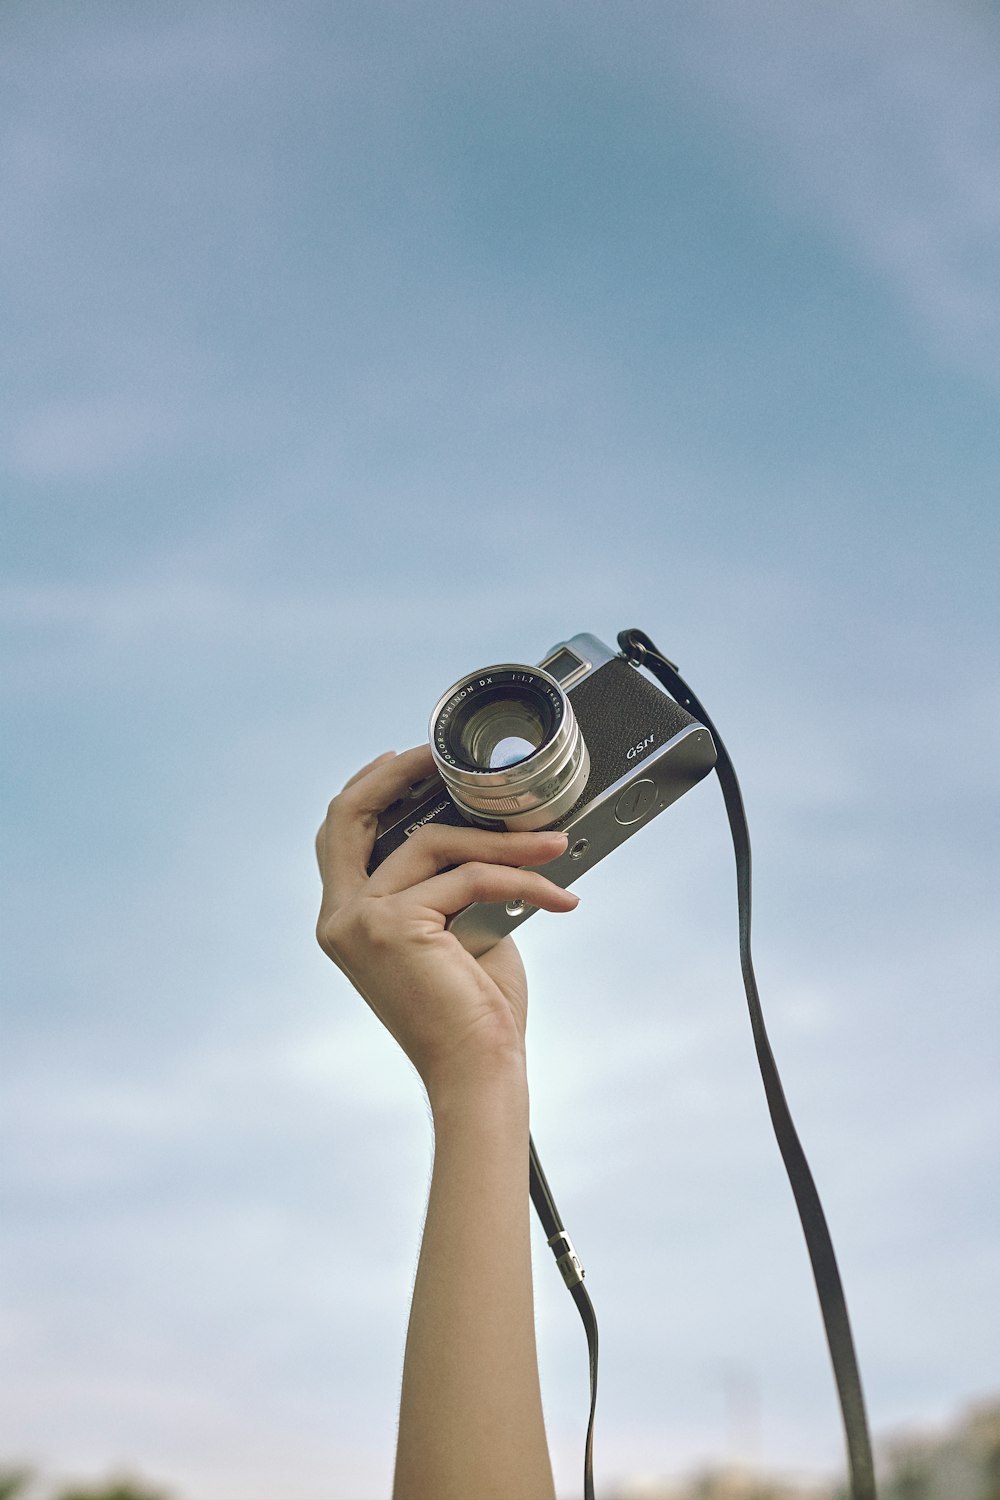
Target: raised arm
470,1422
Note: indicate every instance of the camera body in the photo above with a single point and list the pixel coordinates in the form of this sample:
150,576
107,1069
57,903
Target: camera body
641,751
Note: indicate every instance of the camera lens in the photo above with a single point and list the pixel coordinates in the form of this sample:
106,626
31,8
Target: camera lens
497,727
508,747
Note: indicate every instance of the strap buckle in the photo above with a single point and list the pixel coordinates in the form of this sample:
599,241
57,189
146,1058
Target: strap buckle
567,1259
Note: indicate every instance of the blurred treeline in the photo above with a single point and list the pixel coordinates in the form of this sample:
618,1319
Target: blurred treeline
961,1462
22,1484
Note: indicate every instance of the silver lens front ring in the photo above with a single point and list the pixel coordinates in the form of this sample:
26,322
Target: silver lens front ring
508,747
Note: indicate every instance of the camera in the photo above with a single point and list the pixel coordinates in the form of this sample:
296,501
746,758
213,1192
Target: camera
584,742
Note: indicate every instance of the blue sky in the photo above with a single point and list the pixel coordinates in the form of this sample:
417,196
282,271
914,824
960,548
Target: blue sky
350,347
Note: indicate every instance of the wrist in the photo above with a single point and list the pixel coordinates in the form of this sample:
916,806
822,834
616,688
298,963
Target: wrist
494,1087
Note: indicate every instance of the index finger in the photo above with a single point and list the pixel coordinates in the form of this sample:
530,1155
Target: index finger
320,842
346,839
386,755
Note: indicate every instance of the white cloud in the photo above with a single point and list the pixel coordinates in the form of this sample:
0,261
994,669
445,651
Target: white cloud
88,436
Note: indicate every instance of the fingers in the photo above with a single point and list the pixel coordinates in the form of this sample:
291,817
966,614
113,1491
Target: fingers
344,843
477,864
321,832
453,891
436,847
379,760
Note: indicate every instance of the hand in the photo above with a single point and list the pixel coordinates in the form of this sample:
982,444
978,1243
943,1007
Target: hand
455,1017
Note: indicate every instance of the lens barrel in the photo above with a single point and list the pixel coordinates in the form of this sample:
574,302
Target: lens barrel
508,747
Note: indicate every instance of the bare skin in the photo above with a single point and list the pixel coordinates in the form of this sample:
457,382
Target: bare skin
470,1421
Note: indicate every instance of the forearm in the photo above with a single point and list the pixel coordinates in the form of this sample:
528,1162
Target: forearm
470,1424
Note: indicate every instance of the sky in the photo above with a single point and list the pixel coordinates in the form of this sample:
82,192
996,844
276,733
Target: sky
349,347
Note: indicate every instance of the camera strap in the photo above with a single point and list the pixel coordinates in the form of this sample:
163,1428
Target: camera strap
640,650
572,1274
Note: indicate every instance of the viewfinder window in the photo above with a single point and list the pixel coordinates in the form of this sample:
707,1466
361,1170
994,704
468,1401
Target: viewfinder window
565,666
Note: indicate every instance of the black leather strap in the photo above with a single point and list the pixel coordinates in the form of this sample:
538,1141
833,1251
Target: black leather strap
572,1273
640,649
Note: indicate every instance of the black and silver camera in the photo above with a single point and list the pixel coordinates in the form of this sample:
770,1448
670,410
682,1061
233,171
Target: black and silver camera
584,742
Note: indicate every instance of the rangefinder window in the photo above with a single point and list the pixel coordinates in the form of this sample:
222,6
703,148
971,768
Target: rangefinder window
565,666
